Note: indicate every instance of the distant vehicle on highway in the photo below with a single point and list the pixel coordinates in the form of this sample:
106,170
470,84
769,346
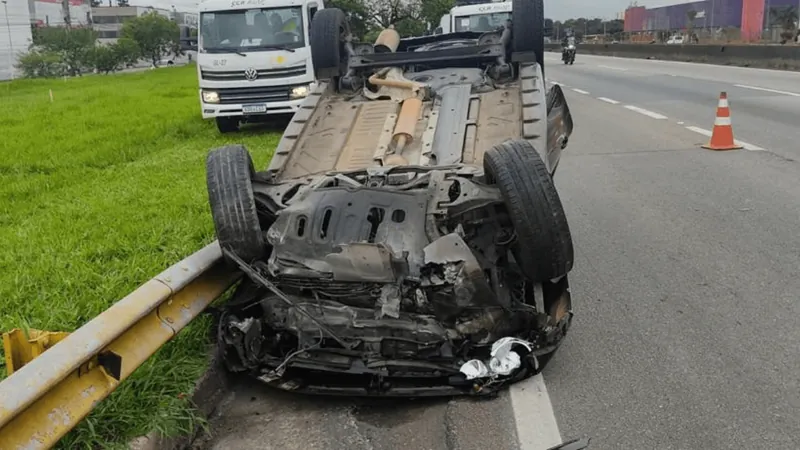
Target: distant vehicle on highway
677,40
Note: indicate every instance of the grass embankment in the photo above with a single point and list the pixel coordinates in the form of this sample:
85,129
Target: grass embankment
100,190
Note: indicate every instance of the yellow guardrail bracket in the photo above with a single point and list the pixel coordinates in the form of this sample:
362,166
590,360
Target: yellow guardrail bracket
47,393
112,363
21,346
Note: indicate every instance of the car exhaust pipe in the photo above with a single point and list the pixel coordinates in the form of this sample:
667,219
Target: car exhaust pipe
406,124
387,41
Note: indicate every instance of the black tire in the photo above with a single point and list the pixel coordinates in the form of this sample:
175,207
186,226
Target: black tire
527,26
544,243
229,172
327,33
227,124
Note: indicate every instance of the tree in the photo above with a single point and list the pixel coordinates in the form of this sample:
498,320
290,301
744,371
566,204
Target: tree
128,52
409,17
123,3
357,14
154,34
72,45
431,11
105,59
96,3
785,18
690,16
39,63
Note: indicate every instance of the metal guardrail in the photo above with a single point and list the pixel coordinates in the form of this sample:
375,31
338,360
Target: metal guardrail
50,395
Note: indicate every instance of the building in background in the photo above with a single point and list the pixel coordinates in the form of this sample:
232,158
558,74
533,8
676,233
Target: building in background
747,15
753,19
107,21
634,19
51,13
15,22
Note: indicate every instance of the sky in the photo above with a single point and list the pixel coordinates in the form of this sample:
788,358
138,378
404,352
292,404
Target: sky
553,9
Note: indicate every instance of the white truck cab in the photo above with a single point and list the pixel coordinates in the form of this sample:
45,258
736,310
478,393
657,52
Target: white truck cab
253,59
472,15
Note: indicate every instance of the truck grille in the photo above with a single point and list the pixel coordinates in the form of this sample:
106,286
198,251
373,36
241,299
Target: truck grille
263,74
261,94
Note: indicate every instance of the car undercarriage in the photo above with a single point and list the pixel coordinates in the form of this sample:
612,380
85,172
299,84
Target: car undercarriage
399,243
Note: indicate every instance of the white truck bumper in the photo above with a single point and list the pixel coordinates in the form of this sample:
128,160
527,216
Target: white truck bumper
251,101
211,110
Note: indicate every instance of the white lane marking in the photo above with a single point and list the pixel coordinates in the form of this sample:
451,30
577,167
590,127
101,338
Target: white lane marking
704,132
756,88
535,419
621,69
556,83
580,91
608,100
645,112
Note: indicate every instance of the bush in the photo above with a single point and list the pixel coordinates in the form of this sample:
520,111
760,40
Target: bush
73,45
41,64
127,51
105,58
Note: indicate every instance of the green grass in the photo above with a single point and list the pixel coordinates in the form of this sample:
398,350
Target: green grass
100,190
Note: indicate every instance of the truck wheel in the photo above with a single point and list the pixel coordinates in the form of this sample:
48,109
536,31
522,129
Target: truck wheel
544,244
229,172
327,34
527,27
227,124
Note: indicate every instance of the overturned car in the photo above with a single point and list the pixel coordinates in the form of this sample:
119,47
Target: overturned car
407,238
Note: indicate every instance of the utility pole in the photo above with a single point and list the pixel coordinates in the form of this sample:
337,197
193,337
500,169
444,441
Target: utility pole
10,43
67,18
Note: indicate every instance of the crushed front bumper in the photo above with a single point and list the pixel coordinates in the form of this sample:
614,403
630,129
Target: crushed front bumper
288,352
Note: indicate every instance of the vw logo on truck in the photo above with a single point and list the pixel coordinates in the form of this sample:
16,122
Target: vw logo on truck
251,74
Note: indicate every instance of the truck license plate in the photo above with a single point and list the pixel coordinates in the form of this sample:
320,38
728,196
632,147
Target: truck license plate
254,109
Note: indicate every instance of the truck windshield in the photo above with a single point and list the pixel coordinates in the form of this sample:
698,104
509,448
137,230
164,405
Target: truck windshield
244,30
482,22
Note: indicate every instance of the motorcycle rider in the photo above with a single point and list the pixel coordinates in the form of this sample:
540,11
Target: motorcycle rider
566,43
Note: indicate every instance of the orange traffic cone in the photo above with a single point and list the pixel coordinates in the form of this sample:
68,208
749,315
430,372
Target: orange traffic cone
722,134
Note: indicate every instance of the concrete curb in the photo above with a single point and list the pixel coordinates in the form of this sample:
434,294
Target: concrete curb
209,391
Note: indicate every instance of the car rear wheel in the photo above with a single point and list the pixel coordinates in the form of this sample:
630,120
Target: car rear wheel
327,35
527,26
229,172
543,247
227,124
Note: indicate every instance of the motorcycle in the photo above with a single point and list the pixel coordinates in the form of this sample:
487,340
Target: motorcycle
568,54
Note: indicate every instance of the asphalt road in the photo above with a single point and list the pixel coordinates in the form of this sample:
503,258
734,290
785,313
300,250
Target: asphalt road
687,330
